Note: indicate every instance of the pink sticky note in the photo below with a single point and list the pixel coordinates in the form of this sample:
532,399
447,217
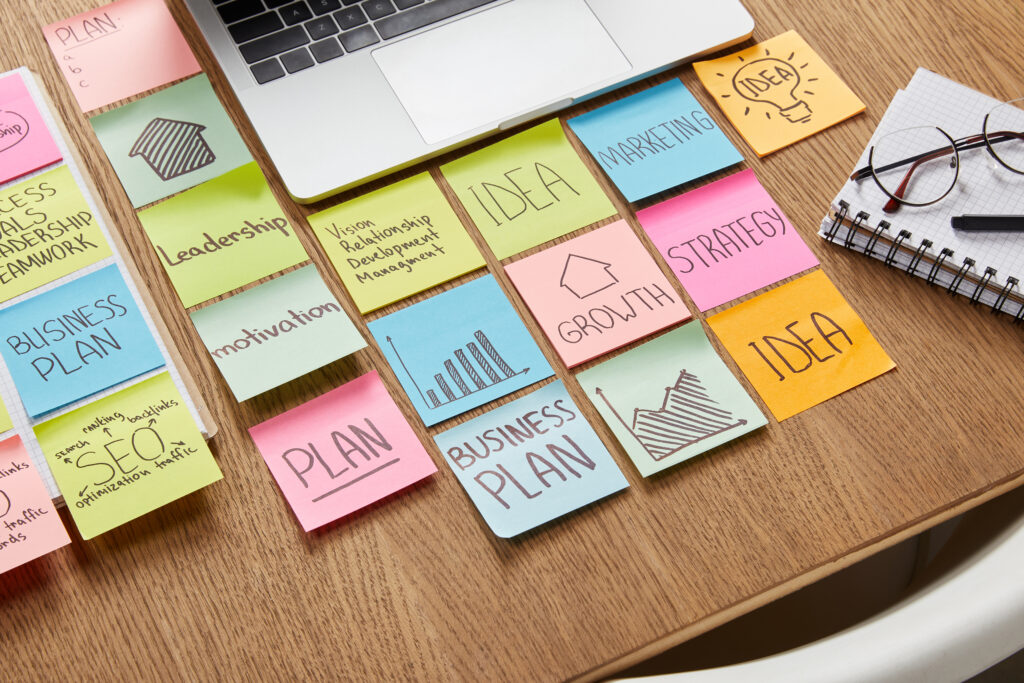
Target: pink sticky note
342,451
29,525
25,142
726,239
119,50
596,292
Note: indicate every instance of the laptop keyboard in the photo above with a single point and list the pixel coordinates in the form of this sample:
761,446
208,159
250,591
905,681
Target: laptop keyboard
281,37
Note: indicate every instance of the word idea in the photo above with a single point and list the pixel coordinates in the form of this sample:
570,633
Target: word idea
527,189
800,344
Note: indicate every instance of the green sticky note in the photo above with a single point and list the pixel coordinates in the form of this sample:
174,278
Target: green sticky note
5,419
276,331
126,454
221,235
527,189
395,242
47,230
170,141
670,399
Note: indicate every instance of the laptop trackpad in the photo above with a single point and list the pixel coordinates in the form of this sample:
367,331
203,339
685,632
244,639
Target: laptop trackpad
502,62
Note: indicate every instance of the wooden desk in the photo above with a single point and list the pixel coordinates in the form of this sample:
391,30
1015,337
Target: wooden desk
225,584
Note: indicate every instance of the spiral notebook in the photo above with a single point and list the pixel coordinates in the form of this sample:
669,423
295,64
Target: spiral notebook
985,267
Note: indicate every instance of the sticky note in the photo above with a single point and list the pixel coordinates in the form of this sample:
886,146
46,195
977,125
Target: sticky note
126,454
726,239
170,141
6,423
119,50
596,292
47,230
530,461
342,451
29,524
778,92
800,344
75,340
25,142
654,140
394,242
459,350
527,189
276,331
670,399
221,235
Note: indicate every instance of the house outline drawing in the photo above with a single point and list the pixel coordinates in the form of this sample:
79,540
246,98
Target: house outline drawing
585,276
173,148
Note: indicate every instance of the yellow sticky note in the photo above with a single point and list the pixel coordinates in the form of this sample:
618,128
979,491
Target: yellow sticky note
778,92
527,189
220,235
47,230
5,419
126,454
800,344
395,242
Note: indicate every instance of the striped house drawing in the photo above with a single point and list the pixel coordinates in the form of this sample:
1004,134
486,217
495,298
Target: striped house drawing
173,148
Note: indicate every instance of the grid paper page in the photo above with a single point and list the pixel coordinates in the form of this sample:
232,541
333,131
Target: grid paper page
23,424
983,186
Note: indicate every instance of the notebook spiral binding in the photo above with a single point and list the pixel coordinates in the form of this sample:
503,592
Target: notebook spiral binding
859,223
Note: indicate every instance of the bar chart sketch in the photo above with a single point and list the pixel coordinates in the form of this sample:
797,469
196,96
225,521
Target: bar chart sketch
473,368
687,415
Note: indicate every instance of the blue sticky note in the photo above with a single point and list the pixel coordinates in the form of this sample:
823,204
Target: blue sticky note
459,350
530,461
75,340
654,140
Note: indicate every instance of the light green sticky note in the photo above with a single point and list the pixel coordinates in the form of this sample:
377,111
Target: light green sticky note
221,235
126,454
276,331
6,423
47,230
670,399
395,242
170,141
527,189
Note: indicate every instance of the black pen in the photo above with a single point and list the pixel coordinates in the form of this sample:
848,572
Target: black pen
988,223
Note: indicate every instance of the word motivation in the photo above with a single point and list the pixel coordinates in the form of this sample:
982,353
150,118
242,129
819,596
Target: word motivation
276,331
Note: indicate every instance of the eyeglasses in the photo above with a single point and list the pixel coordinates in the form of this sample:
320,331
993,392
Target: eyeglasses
919,166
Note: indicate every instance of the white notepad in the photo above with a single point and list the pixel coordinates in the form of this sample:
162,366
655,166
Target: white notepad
983,187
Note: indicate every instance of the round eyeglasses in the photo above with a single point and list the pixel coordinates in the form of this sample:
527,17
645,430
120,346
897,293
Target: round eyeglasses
919,166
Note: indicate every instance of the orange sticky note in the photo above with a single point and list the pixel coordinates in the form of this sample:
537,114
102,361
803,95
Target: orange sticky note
119,50
800,344
778,92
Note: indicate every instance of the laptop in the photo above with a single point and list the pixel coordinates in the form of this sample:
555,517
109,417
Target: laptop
343,91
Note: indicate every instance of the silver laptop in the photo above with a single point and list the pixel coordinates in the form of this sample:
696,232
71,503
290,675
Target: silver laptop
342,91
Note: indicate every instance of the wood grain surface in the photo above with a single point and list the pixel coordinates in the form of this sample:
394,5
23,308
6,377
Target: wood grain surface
225,585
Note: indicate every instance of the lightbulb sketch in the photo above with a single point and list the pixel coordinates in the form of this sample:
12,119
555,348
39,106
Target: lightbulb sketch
687,415
775,82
